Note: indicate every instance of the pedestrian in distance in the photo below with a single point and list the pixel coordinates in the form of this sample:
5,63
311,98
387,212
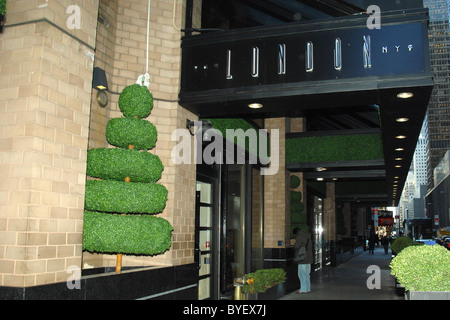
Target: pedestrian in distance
385,244
304,258
373,239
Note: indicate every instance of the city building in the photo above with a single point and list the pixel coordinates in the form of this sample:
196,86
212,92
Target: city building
334,96
438,114
438,199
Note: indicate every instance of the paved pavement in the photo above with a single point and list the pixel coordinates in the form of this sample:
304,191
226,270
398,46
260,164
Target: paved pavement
348,281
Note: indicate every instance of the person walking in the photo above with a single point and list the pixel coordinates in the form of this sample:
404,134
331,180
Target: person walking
304,257
373,239
385,243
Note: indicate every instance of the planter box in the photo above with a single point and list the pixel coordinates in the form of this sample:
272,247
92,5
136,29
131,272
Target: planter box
272,293
157,283
427,295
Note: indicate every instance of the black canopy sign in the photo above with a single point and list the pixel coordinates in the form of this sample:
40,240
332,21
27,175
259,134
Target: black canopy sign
275,62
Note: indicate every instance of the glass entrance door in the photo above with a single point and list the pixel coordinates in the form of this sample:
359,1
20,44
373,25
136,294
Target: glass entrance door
318,231
205,237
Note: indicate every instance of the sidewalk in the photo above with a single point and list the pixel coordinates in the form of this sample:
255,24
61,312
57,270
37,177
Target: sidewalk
348,281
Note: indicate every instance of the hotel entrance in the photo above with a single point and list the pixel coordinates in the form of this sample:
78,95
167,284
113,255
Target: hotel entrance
229,226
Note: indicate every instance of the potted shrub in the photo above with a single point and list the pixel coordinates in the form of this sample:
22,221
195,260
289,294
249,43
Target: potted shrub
124,195
2,14
260,281
423,271
402,242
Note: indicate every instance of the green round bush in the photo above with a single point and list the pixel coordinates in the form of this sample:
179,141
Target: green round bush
117,164
136,101
129,234
122,132
125,197
422,268
402,242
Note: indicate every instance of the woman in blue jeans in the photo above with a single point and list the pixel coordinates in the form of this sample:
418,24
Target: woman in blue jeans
303,240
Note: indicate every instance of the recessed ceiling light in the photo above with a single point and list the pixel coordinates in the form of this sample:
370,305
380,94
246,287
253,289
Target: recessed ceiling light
402,119
255,105
400,149
319,179
401,137
398,166
398,159
319,169
405,95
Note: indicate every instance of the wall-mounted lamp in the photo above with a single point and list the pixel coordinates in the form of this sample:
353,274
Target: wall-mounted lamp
100,83
203,125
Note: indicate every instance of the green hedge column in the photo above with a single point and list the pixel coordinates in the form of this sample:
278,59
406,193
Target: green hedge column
298,216
121,202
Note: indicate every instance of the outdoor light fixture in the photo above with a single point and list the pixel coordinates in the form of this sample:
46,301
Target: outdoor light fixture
405,95
399,149
255,105
401,137
402,119
99,81
205,125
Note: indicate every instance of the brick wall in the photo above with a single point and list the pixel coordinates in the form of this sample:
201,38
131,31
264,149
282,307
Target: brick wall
125,59
45,93
49,116
276,194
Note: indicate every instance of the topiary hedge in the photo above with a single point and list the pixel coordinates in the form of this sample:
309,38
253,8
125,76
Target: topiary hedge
334,148
128,185
124,197
121,132
122,163
126,234
136,101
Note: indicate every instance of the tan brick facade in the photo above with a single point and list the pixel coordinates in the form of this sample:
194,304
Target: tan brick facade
45,99
48,113
276,194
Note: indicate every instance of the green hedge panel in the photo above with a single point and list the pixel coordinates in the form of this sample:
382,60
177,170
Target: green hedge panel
129,234
125,197
121,132
334,148
136,101
116,164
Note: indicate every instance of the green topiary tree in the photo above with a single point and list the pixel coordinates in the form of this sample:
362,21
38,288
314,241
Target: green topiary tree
298,216
119,207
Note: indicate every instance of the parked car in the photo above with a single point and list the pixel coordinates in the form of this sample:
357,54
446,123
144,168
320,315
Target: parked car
445,242
428,242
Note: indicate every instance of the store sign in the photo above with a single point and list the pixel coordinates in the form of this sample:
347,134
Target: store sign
386,221
330,54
